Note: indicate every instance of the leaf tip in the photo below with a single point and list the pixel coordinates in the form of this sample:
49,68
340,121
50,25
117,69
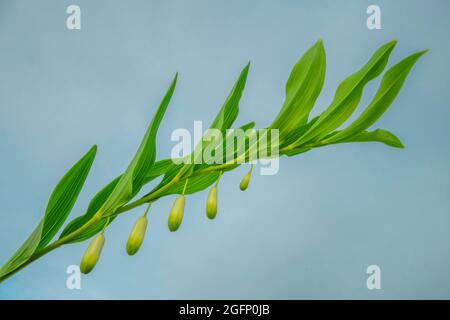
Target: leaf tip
319,46
246,68
93,150
415,56
396,143
174,83
388,47
421,53
392,43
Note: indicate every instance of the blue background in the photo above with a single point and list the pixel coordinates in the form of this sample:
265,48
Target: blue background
308,232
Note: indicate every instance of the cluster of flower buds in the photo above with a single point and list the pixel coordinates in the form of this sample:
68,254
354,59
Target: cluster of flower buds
137,234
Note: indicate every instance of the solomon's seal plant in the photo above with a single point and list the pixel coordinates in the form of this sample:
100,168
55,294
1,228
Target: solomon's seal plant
298,133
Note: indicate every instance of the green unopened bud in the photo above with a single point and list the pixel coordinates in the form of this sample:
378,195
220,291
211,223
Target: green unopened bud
92,254
245,180
137,235
211,203
176,214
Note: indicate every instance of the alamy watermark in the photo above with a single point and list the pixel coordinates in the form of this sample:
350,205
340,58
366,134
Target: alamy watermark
374,278
373,21
73,280
73,21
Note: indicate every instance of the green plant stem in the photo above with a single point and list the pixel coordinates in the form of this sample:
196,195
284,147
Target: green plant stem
218,179
96,218
156,194
56,244
148,208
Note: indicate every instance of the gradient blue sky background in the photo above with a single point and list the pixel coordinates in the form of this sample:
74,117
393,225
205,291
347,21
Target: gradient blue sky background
308,232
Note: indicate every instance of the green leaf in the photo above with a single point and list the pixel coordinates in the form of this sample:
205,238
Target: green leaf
195,184
248,125
158,169
58,208
95,204
378,135
347,96
118,192
224,119
389,88
64,196
134,177
298,132
230,109
92,230
302,90
23,254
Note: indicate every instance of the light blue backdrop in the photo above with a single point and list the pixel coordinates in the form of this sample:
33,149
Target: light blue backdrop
308,232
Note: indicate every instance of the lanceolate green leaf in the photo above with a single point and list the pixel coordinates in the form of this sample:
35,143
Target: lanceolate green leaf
23,254
122,189
58,208
230,109
298,132
302,90
223,121
64,196
347,96
158,169
378,135
95,204
146,155
195,184
133,178
226,116
390,86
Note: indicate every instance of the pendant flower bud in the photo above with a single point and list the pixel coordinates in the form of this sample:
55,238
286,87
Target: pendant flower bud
245,180
211,203
137,235
92,254
176,214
